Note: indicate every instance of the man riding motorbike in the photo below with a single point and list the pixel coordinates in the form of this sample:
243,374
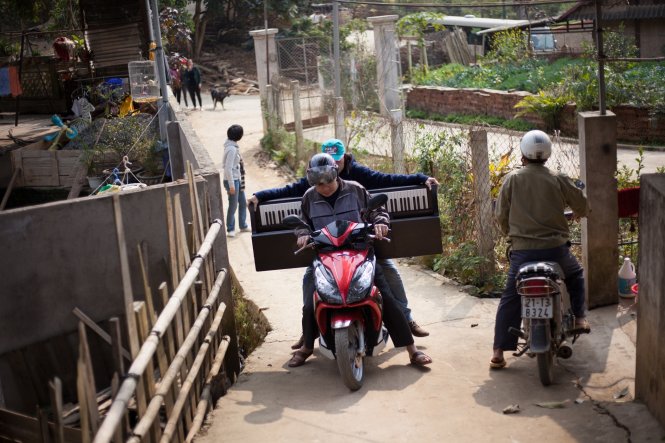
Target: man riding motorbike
331,198
349,169
530,211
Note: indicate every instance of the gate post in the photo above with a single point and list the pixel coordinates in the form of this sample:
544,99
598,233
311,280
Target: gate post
397,140
600,229
265,51
387,62
297,119
482,192
340,130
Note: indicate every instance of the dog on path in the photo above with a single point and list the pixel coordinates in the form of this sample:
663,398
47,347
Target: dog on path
218,95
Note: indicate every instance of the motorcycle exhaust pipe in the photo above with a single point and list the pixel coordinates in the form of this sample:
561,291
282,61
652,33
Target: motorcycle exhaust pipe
564,351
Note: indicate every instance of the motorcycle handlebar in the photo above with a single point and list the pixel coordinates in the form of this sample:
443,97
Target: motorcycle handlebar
311,243
307,246
373,237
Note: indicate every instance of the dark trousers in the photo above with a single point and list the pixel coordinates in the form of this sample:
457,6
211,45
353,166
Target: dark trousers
179,92
194,91
509,313
393,317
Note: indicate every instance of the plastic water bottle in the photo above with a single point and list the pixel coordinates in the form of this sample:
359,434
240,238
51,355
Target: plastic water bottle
627,278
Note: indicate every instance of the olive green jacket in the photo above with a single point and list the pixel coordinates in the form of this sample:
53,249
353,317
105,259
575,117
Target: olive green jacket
531,204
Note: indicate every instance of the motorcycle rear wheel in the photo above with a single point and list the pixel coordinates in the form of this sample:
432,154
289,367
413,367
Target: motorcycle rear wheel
546,367
350,365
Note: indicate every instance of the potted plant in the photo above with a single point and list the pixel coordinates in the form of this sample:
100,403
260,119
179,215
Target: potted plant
151,159
111,143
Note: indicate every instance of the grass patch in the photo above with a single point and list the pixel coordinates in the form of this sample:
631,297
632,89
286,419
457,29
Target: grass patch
251,325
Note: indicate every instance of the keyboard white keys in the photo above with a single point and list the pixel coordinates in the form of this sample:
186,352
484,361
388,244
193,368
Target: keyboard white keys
274,213
408,200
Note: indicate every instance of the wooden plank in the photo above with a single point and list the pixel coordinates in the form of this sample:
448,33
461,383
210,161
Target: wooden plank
90,388
55,388
162,360
170,228
116,345
10,188
42,419
44,168
77,183
169,337
169,334
99,331
115,384
23,428
126,279
148,378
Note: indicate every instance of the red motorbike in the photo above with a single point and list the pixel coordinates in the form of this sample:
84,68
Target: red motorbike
347,305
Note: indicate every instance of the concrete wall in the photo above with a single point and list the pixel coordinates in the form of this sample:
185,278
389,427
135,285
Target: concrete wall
633,124
64,254
649,374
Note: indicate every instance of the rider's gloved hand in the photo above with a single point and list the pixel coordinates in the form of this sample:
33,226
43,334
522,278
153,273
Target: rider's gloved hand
302,240
380,231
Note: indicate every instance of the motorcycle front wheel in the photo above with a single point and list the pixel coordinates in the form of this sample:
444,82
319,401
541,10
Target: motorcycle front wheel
546,367
349,361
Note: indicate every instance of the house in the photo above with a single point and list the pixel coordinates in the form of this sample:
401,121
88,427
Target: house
640,19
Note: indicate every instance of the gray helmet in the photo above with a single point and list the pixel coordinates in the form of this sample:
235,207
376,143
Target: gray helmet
536,145
322,170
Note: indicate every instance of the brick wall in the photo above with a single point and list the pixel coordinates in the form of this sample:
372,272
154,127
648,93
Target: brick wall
633,124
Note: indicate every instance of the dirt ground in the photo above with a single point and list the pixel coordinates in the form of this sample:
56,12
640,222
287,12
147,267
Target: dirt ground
457,399
223,63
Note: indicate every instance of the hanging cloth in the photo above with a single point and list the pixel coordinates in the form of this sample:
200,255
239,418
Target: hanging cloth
14,82
5,88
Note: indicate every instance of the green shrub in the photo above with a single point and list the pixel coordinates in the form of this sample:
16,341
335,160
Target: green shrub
547,106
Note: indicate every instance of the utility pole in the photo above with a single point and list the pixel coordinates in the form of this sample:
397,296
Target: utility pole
161,73
338,85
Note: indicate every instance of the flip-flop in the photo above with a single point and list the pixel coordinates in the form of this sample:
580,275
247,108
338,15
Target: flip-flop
496,363
419,358
581,326
299,358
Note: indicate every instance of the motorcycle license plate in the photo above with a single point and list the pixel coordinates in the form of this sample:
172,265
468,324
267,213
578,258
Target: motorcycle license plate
537,307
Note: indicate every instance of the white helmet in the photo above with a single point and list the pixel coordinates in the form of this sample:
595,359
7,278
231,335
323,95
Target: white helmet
536,145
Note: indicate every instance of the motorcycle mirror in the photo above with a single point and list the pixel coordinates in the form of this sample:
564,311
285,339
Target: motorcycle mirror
293,221
377,201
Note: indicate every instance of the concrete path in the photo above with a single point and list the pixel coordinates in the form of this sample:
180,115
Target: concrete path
457,399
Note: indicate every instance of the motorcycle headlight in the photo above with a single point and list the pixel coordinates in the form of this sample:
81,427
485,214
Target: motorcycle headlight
326,286
361,283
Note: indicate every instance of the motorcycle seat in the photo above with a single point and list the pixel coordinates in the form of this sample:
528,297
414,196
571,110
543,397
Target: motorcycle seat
547,268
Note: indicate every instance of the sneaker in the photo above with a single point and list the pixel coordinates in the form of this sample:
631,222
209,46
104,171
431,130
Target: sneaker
231,234
246,229
416,330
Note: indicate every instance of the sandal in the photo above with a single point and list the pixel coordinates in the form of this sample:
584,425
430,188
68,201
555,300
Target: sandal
419,358
299,343
497,363
299,358
581,326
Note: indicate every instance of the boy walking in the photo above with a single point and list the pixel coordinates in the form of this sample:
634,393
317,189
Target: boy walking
234,181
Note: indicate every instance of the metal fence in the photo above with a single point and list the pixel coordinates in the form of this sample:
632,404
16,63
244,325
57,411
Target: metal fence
305,74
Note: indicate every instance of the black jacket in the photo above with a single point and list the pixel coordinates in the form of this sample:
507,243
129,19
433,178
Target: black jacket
353,171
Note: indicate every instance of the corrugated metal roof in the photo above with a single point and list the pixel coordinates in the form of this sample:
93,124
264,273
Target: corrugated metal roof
116,32
616,12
